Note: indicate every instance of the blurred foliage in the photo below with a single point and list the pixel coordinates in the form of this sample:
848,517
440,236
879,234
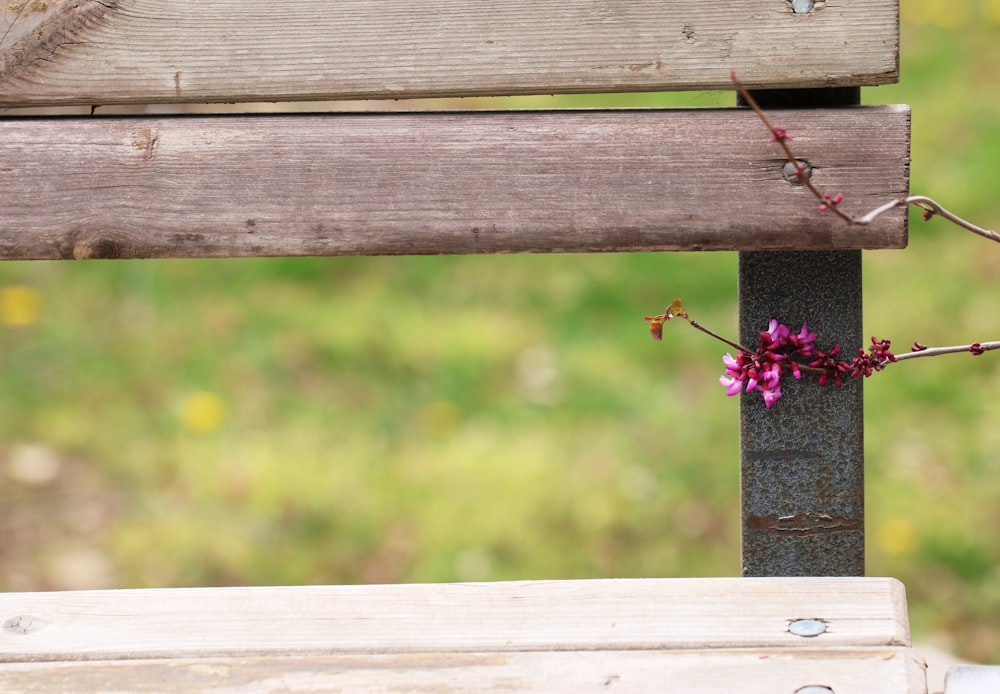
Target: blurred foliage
296,421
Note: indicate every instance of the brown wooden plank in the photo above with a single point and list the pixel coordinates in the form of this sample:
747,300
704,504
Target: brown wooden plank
442,183
627,614
765,671
139,51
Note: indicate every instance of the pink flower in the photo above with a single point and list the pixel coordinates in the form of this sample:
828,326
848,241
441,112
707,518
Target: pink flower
771,396
781,351
733,386
776,334
804,339
780,134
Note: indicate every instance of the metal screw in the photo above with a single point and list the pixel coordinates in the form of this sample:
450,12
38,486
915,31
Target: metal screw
814,689
807,627
791,176
802,6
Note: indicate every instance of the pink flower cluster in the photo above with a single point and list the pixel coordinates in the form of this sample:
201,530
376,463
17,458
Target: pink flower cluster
779,349
830,201
782,351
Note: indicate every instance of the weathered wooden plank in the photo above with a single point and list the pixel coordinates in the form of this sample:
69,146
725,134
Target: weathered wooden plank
972,679
429,183
765,671
139,51
627,614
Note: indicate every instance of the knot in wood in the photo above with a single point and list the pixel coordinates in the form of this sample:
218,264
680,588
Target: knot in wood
97,249
24,624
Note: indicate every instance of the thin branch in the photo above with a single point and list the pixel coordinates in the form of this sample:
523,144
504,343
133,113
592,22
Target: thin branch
735,345
781,136
879,211
930,207
975,348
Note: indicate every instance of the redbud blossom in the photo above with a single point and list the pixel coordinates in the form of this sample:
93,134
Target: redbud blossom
780,134
761,371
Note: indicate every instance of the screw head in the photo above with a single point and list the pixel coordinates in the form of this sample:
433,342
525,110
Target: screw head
789,171
807,628
814,689
802,6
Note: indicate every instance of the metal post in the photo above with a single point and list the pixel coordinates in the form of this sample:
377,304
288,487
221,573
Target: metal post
802,473
802,462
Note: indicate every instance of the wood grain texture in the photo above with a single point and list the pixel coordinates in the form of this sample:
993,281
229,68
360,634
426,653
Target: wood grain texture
626,614
433,183
648,635
141,51
764,671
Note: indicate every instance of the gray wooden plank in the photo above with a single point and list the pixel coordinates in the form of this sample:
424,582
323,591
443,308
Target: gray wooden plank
429,183
625,614
139,51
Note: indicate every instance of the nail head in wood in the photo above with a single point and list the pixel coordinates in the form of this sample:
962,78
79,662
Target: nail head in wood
792,177
807,627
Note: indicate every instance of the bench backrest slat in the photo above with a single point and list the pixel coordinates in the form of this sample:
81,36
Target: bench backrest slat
433,183
145,51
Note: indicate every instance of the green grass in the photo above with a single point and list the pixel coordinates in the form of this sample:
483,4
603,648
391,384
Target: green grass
433,419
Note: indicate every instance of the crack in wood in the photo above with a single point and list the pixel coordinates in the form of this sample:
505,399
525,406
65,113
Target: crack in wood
68,25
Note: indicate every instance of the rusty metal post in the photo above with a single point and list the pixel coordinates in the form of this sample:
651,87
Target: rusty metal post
802,472
802,462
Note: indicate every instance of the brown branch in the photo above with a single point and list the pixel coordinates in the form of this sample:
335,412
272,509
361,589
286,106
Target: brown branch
980,347
781,136
929,206
735,345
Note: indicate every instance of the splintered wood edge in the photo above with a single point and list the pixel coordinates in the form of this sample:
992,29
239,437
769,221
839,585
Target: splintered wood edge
143,51
435,183
622,614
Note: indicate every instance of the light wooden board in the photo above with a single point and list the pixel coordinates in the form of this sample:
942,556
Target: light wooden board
626,614
139,51
429,183
781,671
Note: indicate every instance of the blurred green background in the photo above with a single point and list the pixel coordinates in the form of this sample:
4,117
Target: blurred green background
297,421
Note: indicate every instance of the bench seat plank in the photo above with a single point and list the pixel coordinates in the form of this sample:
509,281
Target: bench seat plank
431,183
144,51
622,614
844,671
639,635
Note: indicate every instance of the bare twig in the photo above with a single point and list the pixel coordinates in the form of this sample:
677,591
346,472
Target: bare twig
781,136
975,348
930,207
735,345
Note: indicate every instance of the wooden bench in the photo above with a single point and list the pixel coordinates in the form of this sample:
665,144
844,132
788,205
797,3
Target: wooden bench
90,187
654,635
